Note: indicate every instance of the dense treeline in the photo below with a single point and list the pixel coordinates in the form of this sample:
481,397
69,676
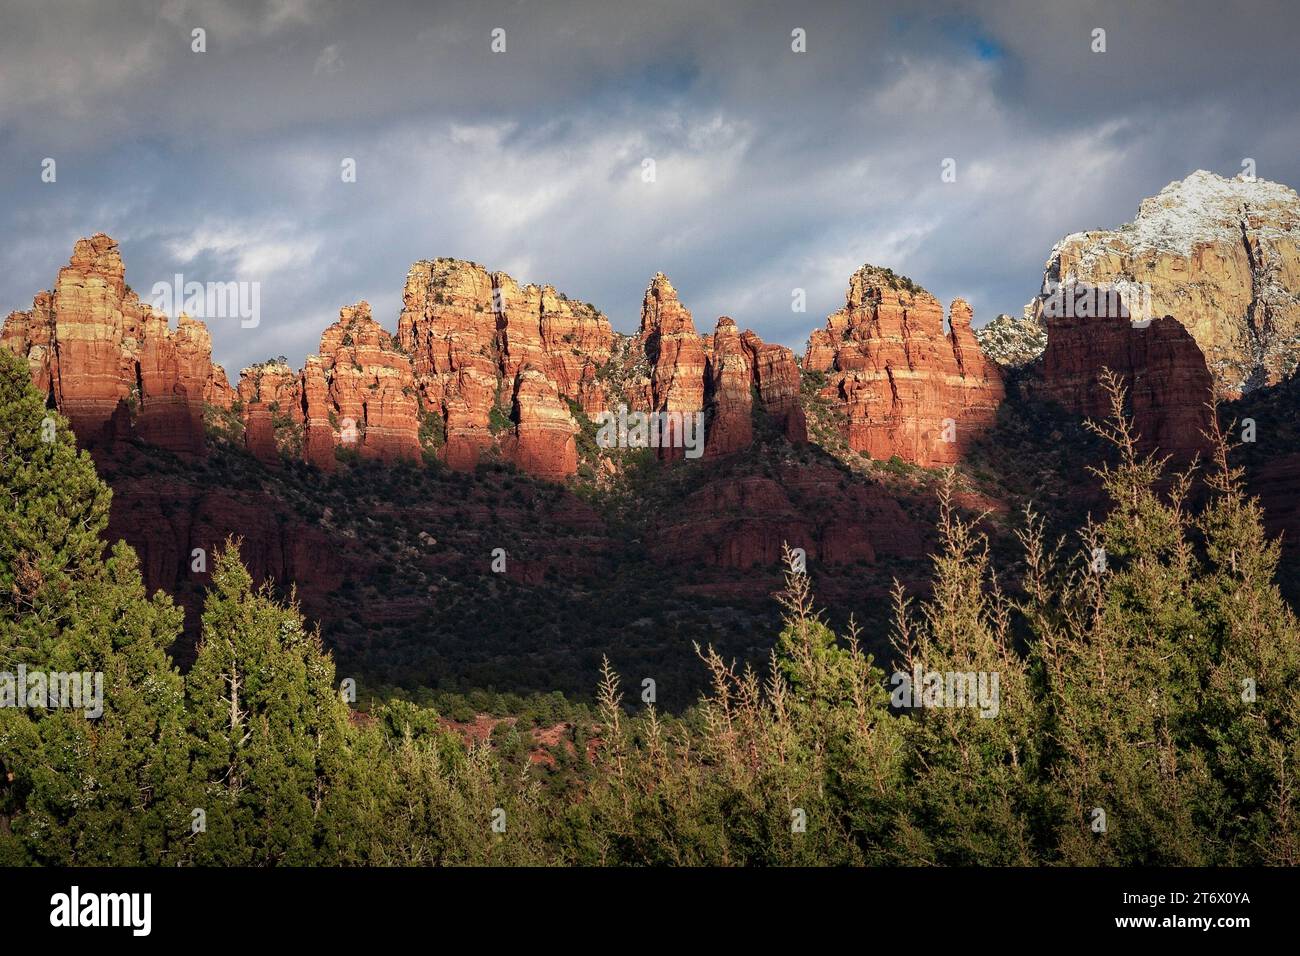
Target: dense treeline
1147,711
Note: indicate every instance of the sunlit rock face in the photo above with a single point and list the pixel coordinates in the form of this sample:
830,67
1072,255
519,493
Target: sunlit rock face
1222,256
905,387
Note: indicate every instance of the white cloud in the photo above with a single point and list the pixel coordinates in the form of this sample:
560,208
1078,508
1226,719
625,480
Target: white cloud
329,61
254,253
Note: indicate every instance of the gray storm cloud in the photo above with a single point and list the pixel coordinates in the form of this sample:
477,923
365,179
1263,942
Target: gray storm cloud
774,170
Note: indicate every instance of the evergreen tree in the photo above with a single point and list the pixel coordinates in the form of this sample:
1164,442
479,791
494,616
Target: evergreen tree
269,730
1120,648
838,747
1249,720
798,768
77,789
970,723
424,799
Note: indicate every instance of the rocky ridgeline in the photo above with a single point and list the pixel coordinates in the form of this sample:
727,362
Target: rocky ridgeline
1220,255
480,366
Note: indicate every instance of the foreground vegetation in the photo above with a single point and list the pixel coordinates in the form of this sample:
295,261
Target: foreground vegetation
1148,712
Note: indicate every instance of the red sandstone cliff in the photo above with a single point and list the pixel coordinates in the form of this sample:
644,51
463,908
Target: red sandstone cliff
1166,375
480,342
259,433
500,365
668,367
776,377
110,363
731,374
905,387
744,522
674,350
493,368
371,387
319,437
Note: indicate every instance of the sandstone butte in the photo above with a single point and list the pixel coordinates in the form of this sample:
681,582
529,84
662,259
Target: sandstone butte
484,364
1220,255
904,387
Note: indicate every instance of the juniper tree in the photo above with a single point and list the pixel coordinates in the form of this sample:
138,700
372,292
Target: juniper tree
269,730
1249,718
76,789
833,731
422,799
798,767
971,750
1120,649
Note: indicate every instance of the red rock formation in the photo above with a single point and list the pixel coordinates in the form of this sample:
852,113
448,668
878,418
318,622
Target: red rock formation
274,384
91,366
667,367
217,391
318,436
563,339
31,334
481,342
500,366
577,340
111,364
1162,366
175,372
543,443
371,386
448,327
905,387
550,348
1221,255
776,376
744,522
259,433
730,424
675,353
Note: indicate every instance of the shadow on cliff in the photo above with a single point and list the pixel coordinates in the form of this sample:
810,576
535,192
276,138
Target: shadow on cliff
398,563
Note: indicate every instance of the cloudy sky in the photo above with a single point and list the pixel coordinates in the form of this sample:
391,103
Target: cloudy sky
773,170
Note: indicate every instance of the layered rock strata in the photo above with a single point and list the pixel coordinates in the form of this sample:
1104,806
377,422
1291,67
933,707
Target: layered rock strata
903,386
